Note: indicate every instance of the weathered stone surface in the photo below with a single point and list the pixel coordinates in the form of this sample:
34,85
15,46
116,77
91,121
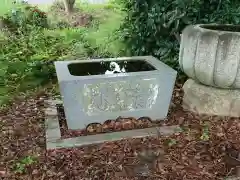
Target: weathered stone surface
209,100
51,111
107,137
97,97
210,54
52,103
51,121
53,135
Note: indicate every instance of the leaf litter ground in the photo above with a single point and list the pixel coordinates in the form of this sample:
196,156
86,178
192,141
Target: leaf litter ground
196,151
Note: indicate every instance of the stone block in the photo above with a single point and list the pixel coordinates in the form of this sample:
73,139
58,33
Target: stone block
209,100
109,137
90,96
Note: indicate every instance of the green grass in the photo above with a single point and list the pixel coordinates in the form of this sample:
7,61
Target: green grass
6,5
104,35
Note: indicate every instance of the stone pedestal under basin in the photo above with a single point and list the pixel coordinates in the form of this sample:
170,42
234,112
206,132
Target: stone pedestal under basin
210,100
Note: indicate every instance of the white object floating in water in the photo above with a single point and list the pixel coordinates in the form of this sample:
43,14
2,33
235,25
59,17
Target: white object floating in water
123,70
109,72
114,67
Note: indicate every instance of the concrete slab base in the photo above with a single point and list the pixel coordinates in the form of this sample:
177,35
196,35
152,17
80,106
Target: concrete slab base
53,135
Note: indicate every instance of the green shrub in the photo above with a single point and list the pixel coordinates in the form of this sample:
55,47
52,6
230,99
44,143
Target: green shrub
36,17
104,38
76,40
24,18
153,27
24,61
27,52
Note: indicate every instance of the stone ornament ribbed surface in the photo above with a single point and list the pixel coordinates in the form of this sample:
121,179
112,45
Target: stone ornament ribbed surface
211,57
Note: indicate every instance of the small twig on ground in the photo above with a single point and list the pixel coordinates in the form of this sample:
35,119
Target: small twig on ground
229,172
106,172
43,176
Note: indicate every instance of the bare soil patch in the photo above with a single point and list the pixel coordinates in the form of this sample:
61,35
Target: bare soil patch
63,19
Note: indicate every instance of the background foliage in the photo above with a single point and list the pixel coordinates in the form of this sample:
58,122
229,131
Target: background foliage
153,27
30,42
24,49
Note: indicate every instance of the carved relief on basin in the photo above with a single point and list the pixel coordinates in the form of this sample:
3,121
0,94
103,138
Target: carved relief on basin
120,96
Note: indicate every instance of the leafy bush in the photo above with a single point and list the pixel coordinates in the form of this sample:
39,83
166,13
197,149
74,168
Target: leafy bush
104,37
36,17
75,38
153,27
28,50
24,18
23,61
27,53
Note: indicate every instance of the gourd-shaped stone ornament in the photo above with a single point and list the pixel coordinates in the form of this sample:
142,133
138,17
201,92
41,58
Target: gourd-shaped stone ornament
210,54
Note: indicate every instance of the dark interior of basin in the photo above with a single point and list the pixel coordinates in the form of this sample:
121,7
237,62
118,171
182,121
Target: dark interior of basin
231,28
98,68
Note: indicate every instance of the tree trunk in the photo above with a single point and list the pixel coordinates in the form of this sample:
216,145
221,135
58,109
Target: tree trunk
69,4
